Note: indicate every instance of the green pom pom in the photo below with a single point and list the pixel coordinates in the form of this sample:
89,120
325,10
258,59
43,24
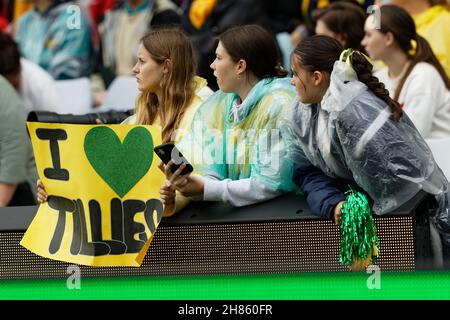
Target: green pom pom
359,239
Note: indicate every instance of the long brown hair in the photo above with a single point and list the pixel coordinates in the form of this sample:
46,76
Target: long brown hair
319,53
178,85
398,22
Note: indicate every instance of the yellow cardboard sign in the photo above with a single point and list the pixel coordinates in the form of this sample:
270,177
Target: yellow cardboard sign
103,184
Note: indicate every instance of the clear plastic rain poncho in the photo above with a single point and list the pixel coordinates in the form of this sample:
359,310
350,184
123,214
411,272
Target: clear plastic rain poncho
244,142
351,134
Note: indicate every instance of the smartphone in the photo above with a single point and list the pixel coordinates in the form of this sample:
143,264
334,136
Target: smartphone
167,152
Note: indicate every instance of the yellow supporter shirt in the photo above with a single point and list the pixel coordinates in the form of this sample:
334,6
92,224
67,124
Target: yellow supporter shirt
433,24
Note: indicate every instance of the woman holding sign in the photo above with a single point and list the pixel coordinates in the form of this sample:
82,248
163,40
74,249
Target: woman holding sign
170,91
237,139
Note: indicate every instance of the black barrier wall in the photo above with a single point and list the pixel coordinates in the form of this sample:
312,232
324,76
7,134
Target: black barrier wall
279,236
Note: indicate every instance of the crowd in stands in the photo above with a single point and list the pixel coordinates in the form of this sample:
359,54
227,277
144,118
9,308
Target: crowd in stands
226,63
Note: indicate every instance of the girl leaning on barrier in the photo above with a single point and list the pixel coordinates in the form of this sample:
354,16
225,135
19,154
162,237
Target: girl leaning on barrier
350,134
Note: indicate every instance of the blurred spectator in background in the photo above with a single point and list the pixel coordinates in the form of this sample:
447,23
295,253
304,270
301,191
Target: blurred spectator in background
308,7
17,168
204,20
57,37
413,75
35,86
343,21
432,19
124,26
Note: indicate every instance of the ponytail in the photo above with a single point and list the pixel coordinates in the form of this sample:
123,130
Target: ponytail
363,69
400,24
421,53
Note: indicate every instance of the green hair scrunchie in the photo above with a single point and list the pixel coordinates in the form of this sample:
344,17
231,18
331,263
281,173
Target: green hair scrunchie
347,54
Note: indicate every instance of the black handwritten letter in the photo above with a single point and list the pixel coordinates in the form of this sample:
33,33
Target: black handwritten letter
131,227
56,173
89,248
62,205
151,206
95,214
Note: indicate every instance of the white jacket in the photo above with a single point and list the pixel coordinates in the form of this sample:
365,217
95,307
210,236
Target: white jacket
424,98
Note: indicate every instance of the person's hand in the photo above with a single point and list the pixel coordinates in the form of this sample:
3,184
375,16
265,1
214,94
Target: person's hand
193,187
337,212
99,97
175,178
41,194
188,185
167,195
361,265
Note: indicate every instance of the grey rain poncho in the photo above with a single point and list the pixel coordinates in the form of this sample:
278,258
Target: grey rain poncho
351,134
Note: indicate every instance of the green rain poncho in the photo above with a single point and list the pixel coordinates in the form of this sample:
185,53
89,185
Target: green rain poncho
245,142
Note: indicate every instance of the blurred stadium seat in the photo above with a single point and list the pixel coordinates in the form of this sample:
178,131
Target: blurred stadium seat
76,96
121,94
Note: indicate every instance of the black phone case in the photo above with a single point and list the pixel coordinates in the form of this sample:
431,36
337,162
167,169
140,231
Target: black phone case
164,152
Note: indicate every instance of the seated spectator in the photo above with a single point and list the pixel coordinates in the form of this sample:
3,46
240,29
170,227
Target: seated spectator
309,7
432,18
124,26
343,21
17,168
352,135
170,92
233,126
57,38
34,85
413,75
